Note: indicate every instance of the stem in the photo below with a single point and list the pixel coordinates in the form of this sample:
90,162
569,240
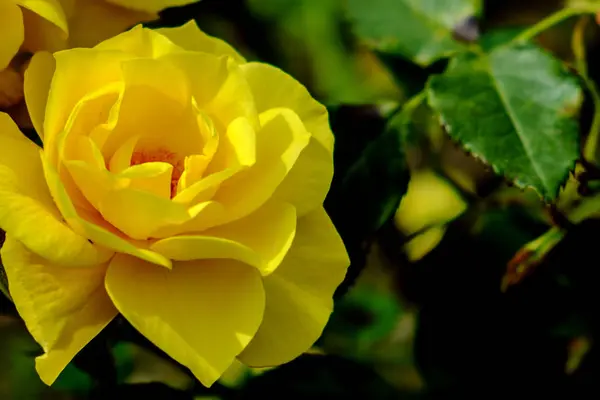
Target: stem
412,103
555,19
590,149
404,114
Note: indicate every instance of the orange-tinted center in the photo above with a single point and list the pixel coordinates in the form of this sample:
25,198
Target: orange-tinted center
161,155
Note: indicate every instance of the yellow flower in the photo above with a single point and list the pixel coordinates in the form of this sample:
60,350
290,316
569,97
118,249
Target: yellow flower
178,185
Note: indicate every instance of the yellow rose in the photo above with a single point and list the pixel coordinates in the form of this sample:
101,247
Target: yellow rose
178,185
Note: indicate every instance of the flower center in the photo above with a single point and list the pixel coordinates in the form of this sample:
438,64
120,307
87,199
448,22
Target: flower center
161,155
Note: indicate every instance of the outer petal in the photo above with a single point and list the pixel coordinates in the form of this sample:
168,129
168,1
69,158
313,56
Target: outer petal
63,308
13,33
299,293
221,90
152,6
50,10
26,204
202,313
41,34
262,240
278,145
38,77
307,184
92,21
190,37
141,42
273,88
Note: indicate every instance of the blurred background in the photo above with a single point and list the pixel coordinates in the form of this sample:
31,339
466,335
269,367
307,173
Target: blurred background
428,316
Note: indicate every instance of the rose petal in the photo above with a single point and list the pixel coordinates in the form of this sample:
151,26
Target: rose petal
152,6
26,204
13,33
221,90
140,42
38,77
50,10
92,21
138,213
278,144
63,308
79,73
92,229
201,313
306,185
190,37
299,293
262,240
273,88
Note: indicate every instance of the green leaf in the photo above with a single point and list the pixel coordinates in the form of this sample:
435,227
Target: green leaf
421,30
513,108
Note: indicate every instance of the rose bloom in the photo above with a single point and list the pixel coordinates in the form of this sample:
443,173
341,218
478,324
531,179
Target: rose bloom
178,185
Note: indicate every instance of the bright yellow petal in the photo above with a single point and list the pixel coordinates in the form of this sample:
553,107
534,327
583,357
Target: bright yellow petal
273,88
307,183
141,42
93,183
92,21
11,21
38,77
150,177
121,159
151,6
221,90
194,166
160,75
261,240
237,147
139,213
278,145
26,204
63,308
201,313
41,34
155,101
92,228
205,188
51,10
299,293
190,37
79,73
